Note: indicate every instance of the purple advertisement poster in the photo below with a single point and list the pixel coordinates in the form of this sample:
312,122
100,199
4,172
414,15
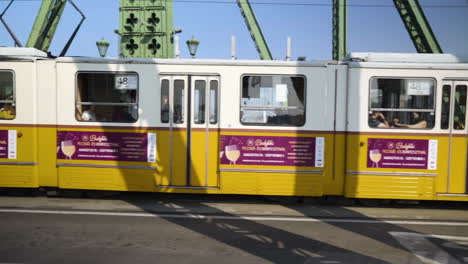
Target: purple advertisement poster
402,153
109,146
3,144
8,144
272,151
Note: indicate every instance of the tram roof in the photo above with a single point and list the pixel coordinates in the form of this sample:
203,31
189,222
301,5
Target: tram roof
407,57
23,52
355,59
195,61
407,61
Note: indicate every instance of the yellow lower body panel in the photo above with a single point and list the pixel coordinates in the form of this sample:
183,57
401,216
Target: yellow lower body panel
25,173
106,179
47,148
18,176
272,184
345,171
449,197
457,171
389,187
447,176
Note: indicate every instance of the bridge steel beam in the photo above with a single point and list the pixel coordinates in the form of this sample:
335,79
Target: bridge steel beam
340,13
45,24
254,29
417,26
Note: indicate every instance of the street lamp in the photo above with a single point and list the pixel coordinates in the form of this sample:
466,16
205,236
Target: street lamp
102,46
193,46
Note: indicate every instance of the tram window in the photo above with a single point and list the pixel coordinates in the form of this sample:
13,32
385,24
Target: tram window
107,97
179,108
213,102
275,100
401,103
445,116
7,96
199,98
460,107
165,101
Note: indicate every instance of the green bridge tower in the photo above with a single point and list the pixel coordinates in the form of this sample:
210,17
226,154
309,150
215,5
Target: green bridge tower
146,29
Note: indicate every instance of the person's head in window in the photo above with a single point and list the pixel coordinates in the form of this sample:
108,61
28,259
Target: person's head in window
89,114
457,123
415,118
377,120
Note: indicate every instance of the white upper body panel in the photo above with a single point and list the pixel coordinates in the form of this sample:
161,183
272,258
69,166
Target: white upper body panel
319,96
359,82
337,94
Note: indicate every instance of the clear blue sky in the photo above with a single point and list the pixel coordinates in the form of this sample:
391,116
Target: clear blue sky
370,28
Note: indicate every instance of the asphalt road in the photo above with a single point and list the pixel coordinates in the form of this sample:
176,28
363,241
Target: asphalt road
196,232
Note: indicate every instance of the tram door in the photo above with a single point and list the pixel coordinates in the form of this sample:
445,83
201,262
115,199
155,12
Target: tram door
453,120
189,105
204,131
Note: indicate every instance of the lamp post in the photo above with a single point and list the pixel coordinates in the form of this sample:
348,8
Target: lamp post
193,46
102,46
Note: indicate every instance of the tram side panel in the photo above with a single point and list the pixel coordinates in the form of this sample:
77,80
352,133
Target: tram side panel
291,128
106,133
286,149
452,101
397,147
18,131
46,114
337,79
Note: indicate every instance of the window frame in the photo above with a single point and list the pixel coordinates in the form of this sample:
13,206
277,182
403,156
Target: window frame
201,118
272,107
434,110
13,102
448,107
455,86
137,99
216,100
161,101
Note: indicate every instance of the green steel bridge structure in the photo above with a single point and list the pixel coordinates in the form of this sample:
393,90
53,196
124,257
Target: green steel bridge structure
146,27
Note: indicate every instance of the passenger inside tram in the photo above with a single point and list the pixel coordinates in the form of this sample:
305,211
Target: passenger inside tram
416,121
89,114
458,124
377,119
7,106
7,111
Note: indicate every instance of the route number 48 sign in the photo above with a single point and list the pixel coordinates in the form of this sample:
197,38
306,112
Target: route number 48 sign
126,82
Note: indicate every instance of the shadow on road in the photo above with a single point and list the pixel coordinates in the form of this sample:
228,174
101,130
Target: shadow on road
259,239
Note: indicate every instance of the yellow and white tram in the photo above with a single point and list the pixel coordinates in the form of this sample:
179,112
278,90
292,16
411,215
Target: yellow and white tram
387,126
